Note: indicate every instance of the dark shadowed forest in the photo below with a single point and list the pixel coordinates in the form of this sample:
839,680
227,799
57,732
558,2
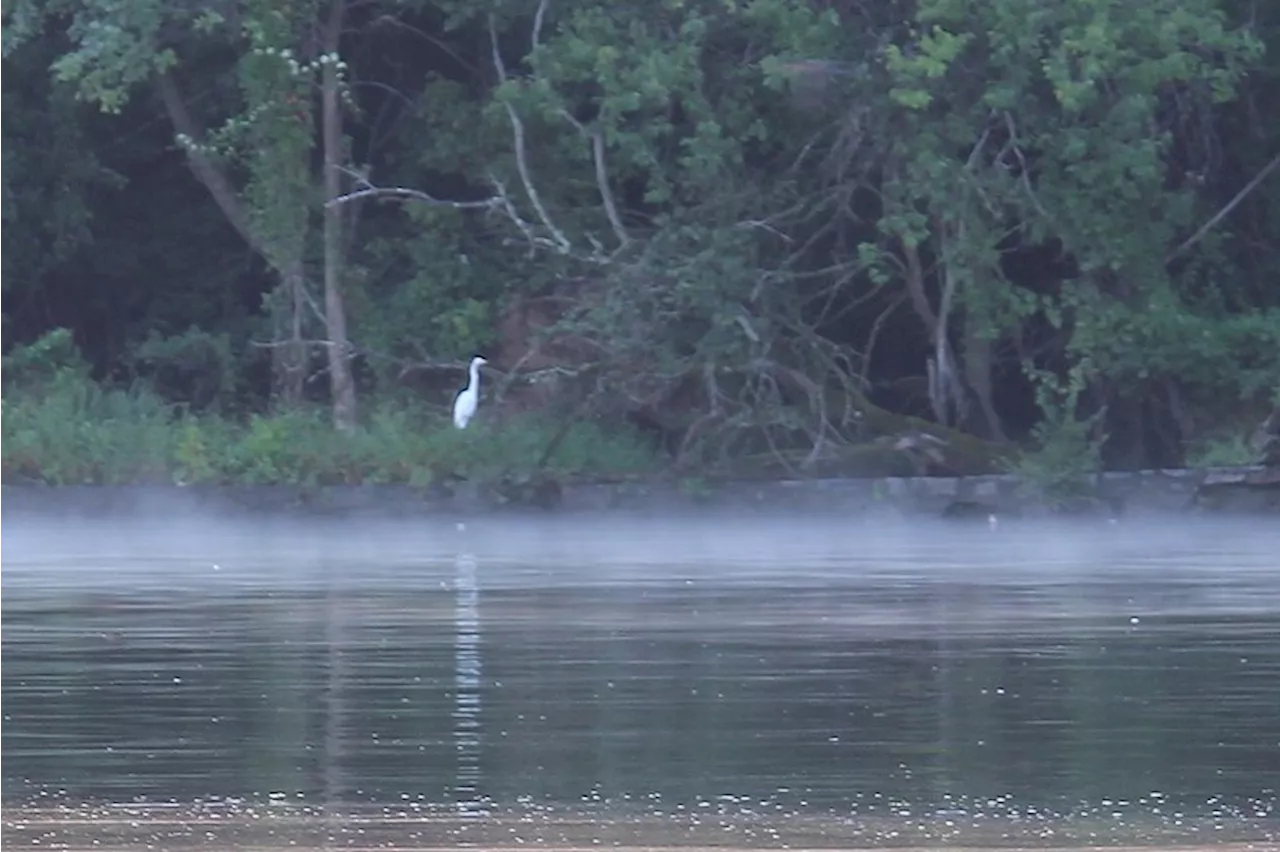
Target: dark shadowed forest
260,240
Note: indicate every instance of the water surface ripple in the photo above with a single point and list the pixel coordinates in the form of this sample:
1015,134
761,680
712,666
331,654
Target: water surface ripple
651,682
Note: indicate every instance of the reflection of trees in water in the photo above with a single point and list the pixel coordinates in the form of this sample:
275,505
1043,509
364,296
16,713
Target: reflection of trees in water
335,710
467,678
347,703
352,693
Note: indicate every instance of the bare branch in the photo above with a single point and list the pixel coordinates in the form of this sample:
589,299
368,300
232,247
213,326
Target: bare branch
874,334
972,161
522,161
370,190
417,195
393,21
606,193
760,224
281,344
538,19
504,201
602,177
1023,169
1227,208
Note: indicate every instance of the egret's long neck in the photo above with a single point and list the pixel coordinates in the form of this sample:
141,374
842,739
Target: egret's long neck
475,377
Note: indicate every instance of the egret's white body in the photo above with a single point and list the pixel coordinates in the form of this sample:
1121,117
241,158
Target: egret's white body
464,406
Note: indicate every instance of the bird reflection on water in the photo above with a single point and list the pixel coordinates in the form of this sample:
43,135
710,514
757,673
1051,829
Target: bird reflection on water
660,681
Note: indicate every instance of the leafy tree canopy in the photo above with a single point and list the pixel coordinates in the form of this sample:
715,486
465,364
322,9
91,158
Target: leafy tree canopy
772,227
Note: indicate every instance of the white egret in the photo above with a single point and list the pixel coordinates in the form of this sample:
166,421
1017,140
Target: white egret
464,406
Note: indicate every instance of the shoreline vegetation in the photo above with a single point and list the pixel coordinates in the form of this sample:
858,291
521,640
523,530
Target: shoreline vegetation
63,428
60,427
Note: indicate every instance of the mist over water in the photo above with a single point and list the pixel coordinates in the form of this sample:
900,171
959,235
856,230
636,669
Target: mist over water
764,678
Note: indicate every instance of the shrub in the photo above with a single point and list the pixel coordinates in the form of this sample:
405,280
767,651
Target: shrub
60,427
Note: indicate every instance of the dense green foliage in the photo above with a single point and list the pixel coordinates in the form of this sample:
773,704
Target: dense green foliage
772,227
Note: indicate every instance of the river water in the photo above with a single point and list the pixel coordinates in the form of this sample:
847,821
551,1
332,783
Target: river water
578,682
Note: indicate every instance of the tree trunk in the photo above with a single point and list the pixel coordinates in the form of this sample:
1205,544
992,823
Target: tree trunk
955,376
341,384
289,350
977,374
946,391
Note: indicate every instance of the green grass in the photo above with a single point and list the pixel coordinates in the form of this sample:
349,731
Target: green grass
1223,451
68,430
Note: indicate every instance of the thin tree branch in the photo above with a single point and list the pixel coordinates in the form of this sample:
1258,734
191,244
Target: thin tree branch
319,344
971,163
602,177
873,336
415,194
522,162
371,190
538,19
393,21
1227,208
606,193
1023,169
504,201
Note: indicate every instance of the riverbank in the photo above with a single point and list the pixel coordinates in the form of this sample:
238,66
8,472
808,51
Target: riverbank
1238,490
71,445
